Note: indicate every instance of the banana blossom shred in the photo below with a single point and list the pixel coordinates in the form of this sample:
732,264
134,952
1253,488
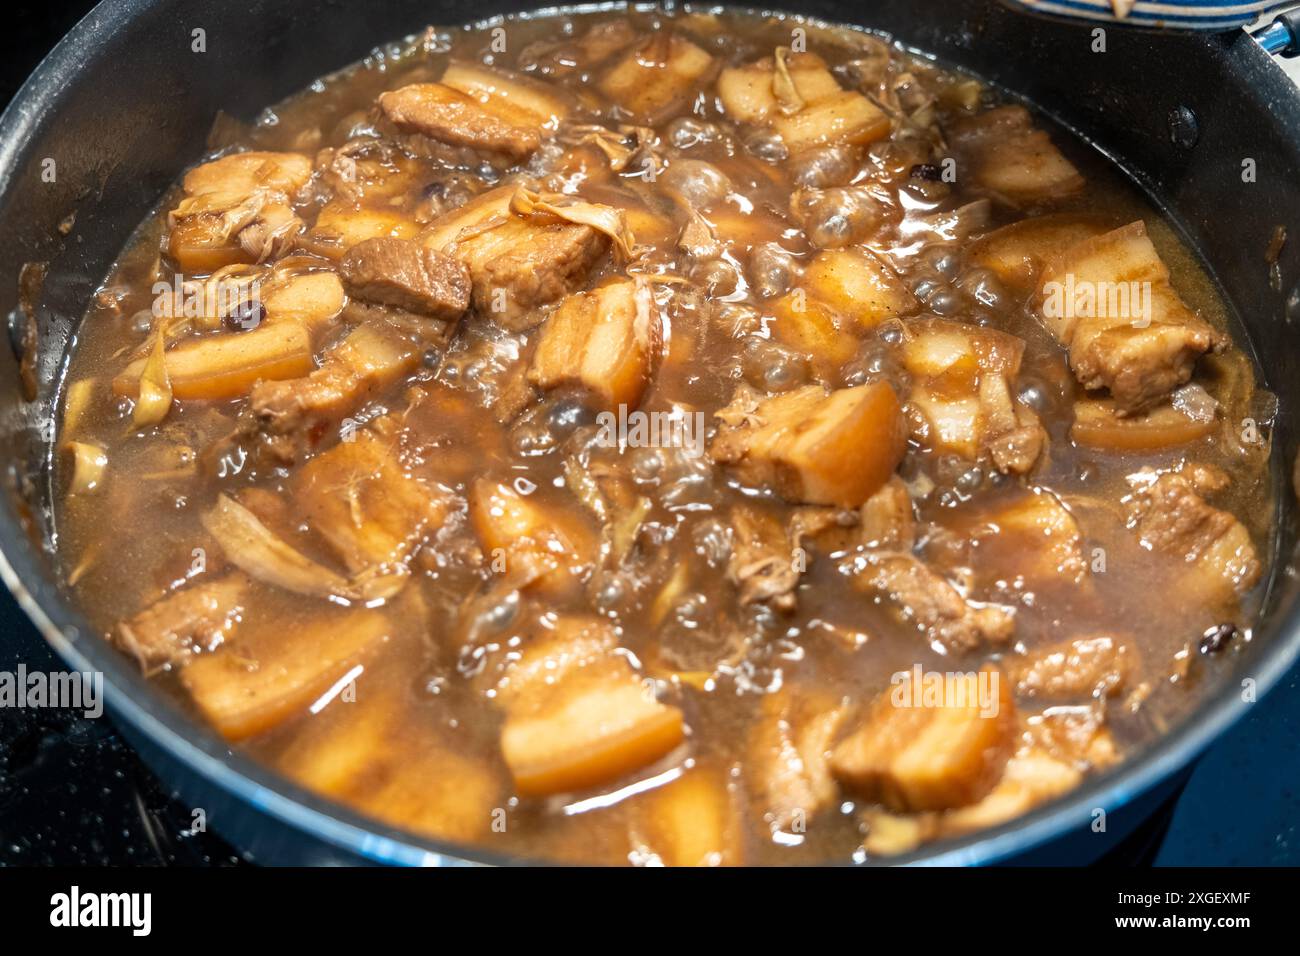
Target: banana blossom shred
787,95
88,464
155,398
612,222
260,553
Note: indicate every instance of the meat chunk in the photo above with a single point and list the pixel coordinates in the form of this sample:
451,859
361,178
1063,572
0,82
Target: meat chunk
1109,301
185,622
367,505
762,564
227,365
270,674
961,391
408,276
518,99
1034,540
1008,156
858,285
516,263
532,542
1017,253
809,445
950,622
565,55
365,753
603,341
1079,668
689,822
310,299
657,78
843,292
577,714
931,747
237,209
486,109
798,97
1171,517
1031,777
887,520
342,224
1098,424
294,414
452,117
788,759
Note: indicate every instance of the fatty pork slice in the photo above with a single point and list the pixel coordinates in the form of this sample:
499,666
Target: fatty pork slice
797,96
657,78
602,342
361,496
516,263
1017,253
487,110
961,389
814,446
386,757
788,758
1170,517
185,622
1005,154
538,543
1053,751
238,208
268,673
690,821
293,416
577,714
923,747
1109,301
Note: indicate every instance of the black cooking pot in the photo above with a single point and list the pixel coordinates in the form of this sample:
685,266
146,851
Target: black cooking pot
127,99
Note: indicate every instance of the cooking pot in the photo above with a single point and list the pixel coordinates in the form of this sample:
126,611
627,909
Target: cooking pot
126,101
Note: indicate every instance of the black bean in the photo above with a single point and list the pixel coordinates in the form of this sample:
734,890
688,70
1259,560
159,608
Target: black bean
1217,638
244,317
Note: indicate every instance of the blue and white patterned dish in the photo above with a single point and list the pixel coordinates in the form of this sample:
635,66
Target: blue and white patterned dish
1170,14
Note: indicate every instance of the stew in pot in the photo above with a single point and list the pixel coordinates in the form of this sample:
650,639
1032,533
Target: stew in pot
678,438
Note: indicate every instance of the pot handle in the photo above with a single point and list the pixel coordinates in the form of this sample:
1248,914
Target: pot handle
1282,36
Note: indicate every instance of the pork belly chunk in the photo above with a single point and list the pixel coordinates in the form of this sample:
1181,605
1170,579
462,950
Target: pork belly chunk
488,110
810,445
1011,158
1170,516
1109,301
185,622
451,117
516,263
237,209
602,342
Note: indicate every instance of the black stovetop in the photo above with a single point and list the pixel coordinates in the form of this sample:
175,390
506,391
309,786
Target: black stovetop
73,792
